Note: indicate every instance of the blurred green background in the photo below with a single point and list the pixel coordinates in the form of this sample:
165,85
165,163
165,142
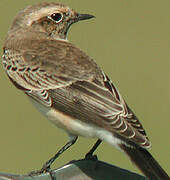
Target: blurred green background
131,40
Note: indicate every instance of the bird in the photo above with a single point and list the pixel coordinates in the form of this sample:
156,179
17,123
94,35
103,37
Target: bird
69,88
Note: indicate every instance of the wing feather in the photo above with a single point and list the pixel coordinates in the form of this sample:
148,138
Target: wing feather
91,104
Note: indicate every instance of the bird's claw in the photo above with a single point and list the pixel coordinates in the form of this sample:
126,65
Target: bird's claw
90,156
44,169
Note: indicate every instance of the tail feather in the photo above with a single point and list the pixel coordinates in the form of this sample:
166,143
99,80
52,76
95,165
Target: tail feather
145,162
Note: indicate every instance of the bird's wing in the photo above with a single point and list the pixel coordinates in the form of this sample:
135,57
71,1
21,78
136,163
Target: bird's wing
45,64
63,77
102,105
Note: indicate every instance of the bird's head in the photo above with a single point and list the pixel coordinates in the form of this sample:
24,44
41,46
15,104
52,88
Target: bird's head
53,19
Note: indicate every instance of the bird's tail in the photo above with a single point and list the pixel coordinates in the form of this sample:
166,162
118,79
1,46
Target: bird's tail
145,162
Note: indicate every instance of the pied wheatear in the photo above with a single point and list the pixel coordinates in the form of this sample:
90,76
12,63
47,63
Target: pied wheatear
69,88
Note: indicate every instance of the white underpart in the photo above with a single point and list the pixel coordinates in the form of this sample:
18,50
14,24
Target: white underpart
75,127
59,39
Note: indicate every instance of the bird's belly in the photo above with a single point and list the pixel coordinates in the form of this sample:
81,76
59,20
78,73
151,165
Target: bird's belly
61,120
74,126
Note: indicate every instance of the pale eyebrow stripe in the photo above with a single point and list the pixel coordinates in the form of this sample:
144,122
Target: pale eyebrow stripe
34,16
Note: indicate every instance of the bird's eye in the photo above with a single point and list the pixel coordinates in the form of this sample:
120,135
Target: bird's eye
57,17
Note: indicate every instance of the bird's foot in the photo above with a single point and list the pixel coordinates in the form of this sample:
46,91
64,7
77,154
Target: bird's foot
44,169
90,156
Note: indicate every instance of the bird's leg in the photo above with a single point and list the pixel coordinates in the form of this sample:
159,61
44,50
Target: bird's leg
90,155
46,166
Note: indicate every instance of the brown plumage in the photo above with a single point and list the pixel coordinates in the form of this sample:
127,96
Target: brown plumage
67,85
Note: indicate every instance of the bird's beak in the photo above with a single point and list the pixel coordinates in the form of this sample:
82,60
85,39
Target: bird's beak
81,17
